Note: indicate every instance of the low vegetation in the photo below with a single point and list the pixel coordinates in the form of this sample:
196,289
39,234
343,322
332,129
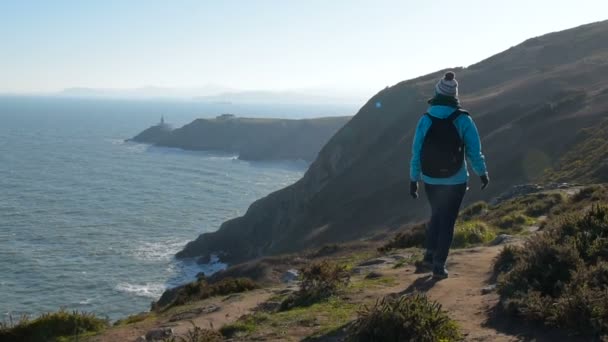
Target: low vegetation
136,318
579,163
320,280
198,334
412,237
560,277
407,318
57,326
480,222
467,233
511,217
475,209
506,259
471,233
245,325
323,317
201,289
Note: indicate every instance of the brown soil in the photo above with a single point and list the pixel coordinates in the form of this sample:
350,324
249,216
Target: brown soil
461,295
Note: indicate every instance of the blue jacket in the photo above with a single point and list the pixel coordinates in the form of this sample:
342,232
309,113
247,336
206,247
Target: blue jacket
469,134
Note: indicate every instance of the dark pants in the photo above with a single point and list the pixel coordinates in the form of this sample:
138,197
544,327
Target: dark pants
445,203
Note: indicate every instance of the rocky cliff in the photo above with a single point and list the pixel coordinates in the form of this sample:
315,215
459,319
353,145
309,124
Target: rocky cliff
251,139
533,104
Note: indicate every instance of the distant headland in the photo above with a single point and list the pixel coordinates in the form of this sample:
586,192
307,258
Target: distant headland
253,139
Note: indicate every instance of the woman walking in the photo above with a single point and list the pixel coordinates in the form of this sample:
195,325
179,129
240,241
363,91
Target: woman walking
445,137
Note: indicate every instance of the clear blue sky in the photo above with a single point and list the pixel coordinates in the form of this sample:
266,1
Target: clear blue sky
262,44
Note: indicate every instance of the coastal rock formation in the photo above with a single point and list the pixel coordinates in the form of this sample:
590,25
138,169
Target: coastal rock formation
533,104
251,139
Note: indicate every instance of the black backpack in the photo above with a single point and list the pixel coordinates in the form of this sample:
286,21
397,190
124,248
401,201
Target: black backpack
442,154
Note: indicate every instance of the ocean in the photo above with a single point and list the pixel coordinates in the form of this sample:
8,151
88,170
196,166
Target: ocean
90,222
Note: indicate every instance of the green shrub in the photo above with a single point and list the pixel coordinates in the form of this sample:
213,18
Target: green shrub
506,259
200,289
245,325
560,277
516,213
407,318
586,193
320,280
472,233
543,204
52,326
133,319
584,304
588,233
543,265
474,210
413,237
514,221
197,334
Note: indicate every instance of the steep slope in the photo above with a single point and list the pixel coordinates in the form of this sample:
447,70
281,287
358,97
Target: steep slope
529,102
252,139
153,134
587,160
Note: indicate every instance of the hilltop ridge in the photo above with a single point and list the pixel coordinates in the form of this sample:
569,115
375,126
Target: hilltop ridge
531,104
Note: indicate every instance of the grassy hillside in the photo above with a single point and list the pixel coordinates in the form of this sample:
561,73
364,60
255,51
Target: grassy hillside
587,158
366,293
533,105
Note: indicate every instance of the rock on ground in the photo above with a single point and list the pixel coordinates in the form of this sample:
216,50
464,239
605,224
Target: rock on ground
159,334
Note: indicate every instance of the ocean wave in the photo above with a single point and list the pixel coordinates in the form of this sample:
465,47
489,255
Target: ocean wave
117,141
208,154
158,251
86,301
136,147
150,290
186,270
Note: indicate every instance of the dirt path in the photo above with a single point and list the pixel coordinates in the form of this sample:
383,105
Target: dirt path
212,313
467,298
461,295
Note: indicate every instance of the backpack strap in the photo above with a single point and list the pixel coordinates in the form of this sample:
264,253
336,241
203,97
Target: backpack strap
433,119
452,117
457,113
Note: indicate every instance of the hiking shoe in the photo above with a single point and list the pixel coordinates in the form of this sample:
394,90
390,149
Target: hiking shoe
424,266
440,273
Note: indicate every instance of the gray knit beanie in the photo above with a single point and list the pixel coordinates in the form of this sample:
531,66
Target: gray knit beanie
448,85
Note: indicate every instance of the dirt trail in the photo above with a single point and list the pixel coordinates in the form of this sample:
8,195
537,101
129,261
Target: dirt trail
462,295
211,313
469,298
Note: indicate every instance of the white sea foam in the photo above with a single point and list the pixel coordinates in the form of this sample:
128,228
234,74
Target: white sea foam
209,155
150,290
186,270
86,301
136,147
117,141
158,251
